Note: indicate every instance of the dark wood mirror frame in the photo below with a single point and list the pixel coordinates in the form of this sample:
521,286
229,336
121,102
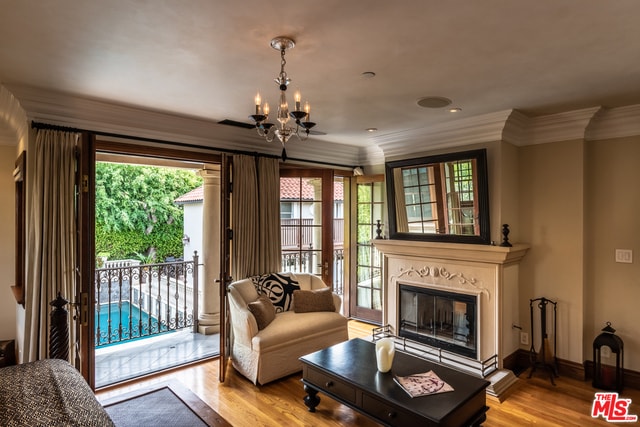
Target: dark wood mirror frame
482,236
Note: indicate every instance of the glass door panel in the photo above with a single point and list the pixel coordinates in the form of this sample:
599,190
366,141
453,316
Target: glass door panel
367,286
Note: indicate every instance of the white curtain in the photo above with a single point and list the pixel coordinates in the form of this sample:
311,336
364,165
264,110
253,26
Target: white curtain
51,240
255,216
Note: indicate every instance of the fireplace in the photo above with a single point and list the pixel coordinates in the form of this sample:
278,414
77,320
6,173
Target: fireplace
442,319
476,284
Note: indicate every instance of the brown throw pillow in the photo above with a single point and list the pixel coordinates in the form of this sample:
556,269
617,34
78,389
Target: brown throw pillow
315,300
263,310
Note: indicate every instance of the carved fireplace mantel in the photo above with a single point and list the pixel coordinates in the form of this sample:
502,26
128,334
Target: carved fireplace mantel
453,251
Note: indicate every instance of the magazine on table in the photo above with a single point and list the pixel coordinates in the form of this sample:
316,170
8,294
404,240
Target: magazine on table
422,384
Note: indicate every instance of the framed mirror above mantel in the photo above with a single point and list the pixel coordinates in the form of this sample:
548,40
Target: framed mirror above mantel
439,198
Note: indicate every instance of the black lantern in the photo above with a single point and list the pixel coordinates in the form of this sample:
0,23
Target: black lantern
608,377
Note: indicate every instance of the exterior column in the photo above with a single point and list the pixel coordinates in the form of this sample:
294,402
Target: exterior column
209,318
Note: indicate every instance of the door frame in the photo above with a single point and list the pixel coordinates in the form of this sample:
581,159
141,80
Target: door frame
90,145
366,314
225,264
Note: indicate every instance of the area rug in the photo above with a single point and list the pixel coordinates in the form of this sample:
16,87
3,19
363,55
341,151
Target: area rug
166,404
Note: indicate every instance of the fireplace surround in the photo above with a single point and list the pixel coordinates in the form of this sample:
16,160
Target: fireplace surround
484,273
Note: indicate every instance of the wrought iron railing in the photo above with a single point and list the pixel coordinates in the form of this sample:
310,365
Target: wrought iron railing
303,262
135,300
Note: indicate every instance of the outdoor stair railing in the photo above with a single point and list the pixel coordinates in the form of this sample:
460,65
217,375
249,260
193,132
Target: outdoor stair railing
135,300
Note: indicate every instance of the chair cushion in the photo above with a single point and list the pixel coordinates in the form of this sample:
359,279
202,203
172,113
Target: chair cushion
278,287
263,310
316,300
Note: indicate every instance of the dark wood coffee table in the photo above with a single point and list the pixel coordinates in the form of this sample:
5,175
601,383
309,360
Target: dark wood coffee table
347,372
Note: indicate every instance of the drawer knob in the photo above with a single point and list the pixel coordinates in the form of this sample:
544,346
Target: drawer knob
329,384
391,414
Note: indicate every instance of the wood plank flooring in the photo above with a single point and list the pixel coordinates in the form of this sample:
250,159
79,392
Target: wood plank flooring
530,402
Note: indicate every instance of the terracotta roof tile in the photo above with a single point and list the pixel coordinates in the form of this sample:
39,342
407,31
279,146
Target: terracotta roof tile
193,196
290,188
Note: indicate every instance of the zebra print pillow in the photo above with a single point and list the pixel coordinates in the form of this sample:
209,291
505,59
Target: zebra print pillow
278,287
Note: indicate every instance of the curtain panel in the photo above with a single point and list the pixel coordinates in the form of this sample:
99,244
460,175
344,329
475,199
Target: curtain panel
51,239
255,216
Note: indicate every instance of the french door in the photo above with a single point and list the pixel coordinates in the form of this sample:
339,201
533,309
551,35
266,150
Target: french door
85,298
366,279
307,222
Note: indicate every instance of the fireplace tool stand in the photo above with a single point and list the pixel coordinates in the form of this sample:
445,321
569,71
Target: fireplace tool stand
545,358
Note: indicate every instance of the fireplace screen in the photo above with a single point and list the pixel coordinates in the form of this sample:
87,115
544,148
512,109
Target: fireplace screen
440,319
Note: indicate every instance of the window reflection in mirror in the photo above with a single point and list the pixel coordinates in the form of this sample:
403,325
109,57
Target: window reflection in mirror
440,197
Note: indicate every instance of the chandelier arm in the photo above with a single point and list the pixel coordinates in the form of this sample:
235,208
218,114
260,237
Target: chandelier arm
269,137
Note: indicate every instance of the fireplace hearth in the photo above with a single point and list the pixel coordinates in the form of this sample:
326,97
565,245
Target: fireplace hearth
446,320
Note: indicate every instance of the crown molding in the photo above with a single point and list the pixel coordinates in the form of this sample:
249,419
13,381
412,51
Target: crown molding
617,122
14,126
19,104
84,113
564,126
371,155
517,128
467,131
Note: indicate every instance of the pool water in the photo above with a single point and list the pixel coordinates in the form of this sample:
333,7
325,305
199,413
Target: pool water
123,315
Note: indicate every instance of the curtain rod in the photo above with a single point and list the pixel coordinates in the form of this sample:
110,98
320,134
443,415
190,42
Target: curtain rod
40,125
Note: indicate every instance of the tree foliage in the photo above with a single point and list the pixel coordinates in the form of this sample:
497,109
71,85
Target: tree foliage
135,207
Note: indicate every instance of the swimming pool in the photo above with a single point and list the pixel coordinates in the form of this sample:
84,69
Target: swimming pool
129,317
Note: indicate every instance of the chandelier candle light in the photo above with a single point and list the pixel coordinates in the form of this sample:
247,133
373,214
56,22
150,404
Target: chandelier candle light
302,117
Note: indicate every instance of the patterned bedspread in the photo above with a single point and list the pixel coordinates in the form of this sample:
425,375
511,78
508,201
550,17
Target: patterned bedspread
48,393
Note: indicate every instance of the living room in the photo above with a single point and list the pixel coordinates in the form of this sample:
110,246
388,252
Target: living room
561,169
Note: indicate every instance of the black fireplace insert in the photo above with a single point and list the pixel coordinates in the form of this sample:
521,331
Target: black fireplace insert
441,319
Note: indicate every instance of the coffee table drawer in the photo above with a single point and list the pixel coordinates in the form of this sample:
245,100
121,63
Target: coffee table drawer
389,414
331,385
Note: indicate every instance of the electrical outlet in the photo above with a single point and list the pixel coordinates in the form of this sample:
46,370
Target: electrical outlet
524,338
605,352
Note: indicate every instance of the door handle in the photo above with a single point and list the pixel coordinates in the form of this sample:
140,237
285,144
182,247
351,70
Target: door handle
84,308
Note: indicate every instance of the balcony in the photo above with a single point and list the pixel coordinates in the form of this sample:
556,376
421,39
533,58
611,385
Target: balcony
146,319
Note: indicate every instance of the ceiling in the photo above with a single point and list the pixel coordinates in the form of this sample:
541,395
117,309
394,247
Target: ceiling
207,59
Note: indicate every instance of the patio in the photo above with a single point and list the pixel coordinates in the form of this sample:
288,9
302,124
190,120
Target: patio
125,361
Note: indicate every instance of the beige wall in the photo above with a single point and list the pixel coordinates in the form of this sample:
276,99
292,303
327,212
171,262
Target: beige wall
551,207
8,304
578,202
612,291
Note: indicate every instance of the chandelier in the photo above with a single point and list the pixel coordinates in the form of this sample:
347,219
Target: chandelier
283,130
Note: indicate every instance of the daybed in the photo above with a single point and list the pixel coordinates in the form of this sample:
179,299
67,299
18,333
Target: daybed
270,334
48,393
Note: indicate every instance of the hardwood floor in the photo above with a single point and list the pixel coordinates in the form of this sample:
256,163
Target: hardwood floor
530,402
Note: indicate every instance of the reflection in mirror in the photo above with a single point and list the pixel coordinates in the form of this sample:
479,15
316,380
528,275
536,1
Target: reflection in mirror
442,197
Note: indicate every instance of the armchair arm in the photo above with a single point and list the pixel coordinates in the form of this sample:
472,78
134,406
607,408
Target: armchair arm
337,301
243,323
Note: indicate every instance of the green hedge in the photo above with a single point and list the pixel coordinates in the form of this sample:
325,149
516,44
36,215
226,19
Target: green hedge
165,238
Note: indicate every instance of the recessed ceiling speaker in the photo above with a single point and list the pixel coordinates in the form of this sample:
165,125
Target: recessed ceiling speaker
434,102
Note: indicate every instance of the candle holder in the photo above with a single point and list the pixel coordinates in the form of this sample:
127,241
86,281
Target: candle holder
379,230
505,236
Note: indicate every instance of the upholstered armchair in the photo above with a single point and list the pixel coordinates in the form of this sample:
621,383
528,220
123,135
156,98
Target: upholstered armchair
277,318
